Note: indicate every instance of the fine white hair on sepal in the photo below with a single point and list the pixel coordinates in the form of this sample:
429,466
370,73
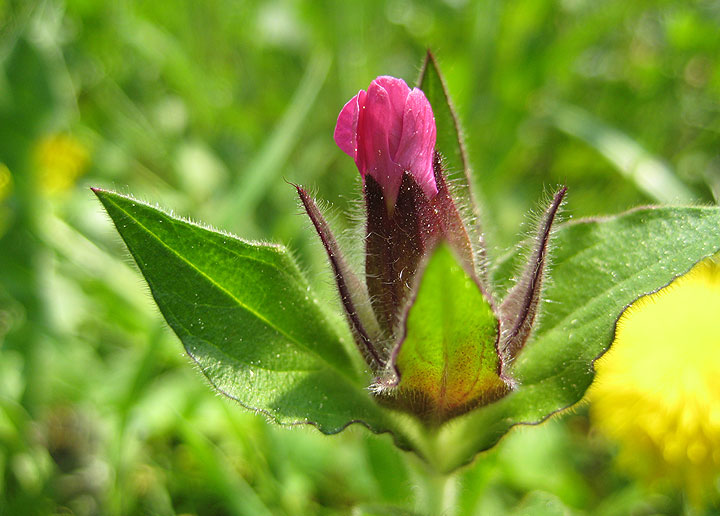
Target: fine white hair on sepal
520,308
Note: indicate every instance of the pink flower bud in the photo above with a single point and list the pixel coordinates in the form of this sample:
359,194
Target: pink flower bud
388,130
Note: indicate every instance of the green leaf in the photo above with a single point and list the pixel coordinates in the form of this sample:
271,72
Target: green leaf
247,316
600,267
449,138
448,361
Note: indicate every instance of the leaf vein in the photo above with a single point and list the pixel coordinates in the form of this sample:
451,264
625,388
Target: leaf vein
203,274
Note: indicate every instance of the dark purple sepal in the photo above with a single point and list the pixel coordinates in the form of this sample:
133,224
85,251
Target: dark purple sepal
398,240
519,308
353,294
395,244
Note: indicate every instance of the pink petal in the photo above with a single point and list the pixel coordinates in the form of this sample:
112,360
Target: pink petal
417,142
359,156
346,127
374,131
397,92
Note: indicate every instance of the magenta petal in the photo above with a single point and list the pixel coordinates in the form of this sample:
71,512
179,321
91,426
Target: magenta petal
417,142
346,127
373,140
397,92
396,88
359,157
388,130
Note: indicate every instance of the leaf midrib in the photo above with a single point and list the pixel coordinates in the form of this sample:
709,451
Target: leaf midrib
226,292
185,328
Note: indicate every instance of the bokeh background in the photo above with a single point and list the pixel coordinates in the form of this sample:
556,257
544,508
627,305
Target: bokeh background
205,107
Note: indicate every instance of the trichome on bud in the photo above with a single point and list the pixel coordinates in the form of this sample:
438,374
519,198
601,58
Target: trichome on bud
389,130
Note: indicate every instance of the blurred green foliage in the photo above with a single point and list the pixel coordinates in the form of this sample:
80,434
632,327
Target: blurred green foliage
205,107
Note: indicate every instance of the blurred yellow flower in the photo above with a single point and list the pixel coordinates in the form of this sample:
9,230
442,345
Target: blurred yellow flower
59,160
657,391
5,181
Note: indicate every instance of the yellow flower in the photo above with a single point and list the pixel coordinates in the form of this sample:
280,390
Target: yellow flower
657,391
59,160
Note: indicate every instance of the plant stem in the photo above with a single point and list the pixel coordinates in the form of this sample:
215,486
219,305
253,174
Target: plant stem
435,493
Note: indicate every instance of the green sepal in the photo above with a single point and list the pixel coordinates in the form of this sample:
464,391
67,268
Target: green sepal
449,141
455,165
447,362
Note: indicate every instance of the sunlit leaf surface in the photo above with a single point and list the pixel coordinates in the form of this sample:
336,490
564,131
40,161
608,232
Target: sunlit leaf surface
600,267
248,318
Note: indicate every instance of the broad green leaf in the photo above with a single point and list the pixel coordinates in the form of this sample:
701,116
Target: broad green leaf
448,360
248,318
600,267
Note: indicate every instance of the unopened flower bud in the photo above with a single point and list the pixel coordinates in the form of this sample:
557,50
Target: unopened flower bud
388,130
411,217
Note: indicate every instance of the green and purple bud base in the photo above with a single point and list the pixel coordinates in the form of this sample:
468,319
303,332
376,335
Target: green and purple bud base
433,338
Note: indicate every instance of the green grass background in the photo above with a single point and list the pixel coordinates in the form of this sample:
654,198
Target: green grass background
205,107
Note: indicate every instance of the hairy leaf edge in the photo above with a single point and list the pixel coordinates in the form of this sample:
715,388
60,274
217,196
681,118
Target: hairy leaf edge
396,435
